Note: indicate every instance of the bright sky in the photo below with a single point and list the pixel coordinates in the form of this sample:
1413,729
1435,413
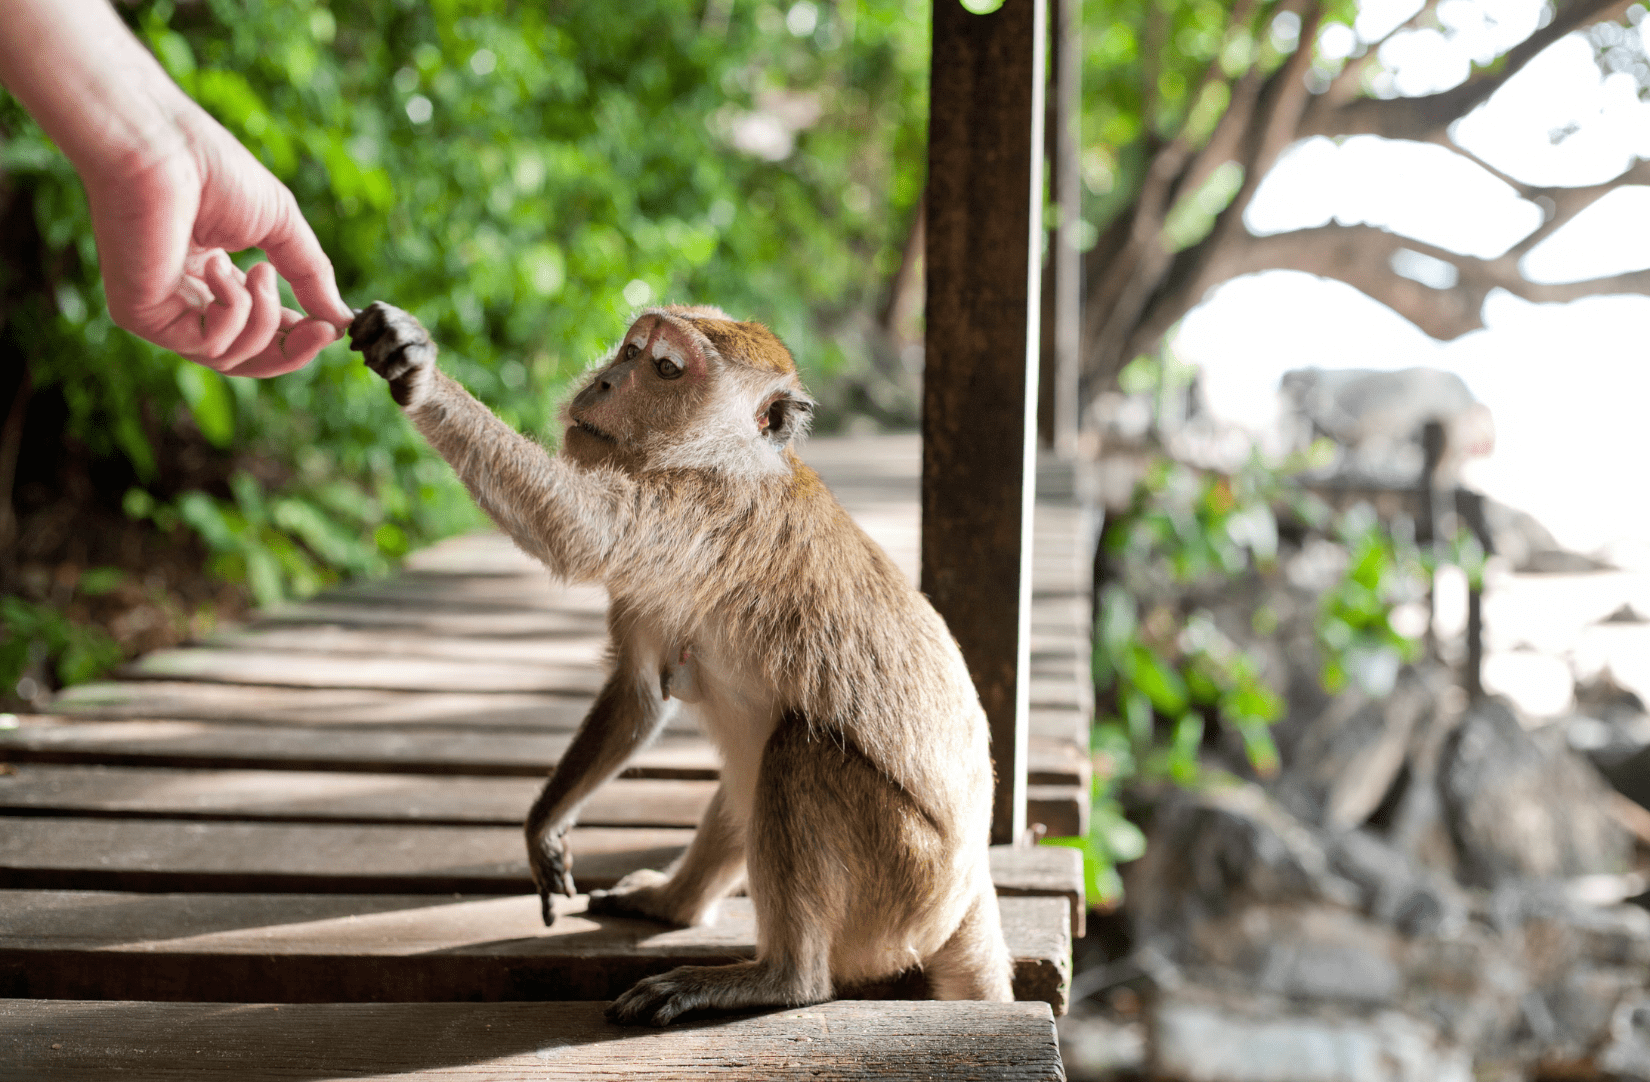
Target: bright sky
1568,384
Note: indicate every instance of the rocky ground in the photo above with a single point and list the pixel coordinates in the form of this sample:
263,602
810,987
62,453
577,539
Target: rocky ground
1430,889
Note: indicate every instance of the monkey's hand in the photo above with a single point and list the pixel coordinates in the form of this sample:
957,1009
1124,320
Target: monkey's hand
396,346
552,868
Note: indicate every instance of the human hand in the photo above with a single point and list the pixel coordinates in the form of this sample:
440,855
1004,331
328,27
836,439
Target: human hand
166,219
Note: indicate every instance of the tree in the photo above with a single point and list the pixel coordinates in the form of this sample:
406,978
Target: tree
1191,104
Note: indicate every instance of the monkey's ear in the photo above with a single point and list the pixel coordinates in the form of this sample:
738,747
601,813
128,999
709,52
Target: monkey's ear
787,417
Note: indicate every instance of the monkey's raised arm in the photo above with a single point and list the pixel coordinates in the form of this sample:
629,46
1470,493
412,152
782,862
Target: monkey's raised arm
566,516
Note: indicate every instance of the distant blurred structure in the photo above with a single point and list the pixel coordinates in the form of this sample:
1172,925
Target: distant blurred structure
1377,418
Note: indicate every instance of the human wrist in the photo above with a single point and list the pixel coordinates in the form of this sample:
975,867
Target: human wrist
95,90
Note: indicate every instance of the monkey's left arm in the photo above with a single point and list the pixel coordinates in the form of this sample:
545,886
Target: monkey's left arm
566,516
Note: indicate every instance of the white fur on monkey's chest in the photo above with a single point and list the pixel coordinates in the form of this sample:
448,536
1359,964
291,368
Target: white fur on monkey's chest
738,713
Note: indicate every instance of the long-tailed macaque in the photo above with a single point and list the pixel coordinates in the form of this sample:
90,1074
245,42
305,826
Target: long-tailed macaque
855,796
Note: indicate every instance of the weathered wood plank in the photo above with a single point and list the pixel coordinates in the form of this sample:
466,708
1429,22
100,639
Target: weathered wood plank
1042,871
289,668
585,650
86,853
833,1042
341,948
412,616
182,700
65,853
315,797
199,745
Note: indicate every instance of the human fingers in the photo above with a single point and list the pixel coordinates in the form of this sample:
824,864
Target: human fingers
292,247
262,323
224,320
293,349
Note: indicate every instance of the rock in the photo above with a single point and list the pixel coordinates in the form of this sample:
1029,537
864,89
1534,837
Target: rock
1208,1038
1520,809
1625,1052
1396,890
1217,850
1346,759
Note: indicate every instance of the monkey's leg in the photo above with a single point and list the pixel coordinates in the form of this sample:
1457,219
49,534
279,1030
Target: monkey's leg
626,715
974,963
686,894
803,871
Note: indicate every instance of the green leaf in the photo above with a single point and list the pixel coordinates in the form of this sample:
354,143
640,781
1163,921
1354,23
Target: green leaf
1160,683
96,581
209,401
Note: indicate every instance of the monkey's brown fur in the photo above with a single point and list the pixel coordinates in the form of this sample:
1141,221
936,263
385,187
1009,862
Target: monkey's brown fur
855,799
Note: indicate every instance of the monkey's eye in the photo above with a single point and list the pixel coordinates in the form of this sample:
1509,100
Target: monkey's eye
668,369
630,351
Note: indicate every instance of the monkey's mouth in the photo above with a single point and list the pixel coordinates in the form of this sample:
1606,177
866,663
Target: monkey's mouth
591,430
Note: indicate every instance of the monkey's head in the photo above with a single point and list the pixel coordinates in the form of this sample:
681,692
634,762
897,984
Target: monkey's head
690,386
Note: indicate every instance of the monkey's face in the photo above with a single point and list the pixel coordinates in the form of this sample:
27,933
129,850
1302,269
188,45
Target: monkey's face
687,387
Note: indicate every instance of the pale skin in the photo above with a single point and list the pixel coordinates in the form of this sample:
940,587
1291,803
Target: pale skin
172,194
855,794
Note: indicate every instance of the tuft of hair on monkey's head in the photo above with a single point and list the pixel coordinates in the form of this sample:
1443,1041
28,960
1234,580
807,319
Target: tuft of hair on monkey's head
689,387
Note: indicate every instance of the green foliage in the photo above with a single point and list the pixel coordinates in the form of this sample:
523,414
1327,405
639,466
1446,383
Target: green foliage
1354,628
1165,672
520,177
32,633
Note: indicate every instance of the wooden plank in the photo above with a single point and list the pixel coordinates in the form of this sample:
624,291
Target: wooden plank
979,389
69,853
445,619
205,745
830,1042
201,745
181,700
295,796
585,650
510,591
387,673
102,853
307,948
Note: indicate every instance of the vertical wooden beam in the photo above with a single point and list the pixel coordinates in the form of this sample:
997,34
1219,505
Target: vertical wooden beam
985,190
1065,261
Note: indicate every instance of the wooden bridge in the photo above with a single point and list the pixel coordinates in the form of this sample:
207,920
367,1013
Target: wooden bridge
317,817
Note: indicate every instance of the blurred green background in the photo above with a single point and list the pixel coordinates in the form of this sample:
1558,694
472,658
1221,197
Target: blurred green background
521,177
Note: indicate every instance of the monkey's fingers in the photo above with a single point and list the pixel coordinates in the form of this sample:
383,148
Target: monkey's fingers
394,345
552,874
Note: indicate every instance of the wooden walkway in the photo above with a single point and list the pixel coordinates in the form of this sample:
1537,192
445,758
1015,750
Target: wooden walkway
324,807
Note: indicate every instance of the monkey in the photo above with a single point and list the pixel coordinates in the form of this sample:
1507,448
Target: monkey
855,791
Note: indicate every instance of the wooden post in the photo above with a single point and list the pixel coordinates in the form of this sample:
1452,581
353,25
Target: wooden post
1065,261
985,191
1429,524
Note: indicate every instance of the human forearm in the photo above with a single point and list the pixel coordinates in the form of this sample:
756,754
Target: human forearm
97,92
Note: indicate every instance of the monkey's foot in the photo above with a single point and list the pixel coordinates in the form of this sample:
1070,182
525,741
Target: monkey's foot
642,893
660,1000
396,346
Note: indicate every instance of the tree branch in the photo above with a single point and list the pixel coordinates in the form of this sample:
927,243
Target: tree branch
1559,206
1345,86
1420,118
1158,303
1361,256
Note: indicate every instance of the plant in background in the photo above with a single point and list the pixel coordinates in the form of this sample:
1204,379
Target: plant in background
1355,633
1170,680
